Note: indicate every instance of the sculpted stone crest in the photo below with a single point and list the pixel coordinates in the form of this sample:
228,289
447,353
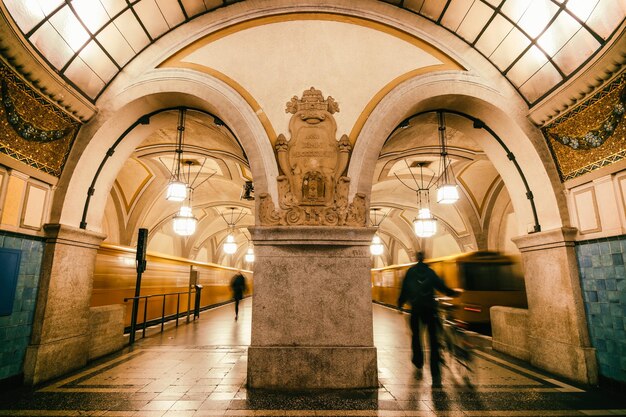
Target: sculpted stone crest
312,188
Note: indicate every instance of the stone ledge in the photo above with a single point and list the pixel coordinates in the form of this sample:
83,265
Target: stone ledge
312,235
281,367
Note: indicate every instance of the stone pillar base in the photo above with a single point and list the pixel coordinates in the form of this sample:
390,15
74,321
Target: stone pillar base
574,362
47,361
313,367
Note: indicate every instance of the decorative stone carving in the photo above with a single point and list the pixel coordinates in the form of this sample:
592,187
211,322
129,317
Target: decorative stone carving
312,188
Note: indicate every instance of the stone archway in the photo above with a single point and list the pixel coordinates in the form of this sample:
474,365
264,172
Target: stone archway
556,335
60,340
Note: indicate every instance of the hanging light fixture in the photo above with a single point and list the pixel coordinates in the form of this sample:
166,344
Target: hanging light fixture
424,225
177,188
377,248
230,246
249,256
447,191
184,221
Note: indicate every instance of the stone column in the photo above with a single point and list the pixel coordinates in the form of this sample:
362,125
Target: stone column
558,334
312,309
60,335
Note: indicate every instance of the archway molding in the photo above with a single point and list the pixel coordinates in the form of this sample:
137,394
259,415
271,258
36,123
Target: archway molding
158,90
503,115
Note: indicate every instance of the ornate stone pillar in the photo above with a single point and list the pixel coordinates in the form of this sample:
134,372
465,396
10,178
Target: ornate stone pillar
558,334
59,341
312,309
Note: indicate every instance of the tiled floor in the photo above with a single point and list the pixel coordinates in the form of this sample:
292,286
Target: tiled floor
199,369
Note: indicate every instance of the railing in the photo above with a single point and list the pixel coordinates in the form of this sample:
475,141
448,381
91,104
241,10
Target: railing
133,324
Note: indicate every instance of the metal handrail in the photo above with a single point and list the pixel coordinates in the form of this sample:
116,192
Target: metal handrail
133,323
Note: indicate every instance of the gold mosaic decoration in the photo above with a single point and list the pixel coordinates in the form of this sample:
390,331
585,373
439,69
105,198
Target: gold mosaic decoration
592,135
33,130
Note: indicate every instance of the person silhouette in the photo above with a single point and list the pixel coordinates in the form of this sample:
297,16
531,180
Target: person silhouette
238,286
418,289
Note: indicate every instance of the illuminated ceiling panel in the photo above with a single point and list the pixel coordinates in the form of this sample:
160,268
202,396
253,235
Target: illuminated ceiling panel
536,44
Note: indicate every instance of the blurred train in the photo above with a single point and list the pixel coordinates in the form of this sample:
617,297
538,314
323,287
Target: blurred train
115,277
487,279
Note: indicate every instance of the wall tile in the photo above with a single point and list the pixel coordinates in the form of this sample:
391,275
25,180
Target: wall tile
603,280
15,329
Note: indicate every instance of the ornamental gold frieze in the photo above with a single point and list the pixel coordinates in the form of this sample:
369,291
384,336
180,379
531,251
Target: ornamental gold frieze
592,135
312,187
33,130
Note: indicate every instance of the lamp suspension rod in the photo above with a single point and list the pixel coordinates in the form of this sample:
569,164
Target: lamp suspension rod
179,141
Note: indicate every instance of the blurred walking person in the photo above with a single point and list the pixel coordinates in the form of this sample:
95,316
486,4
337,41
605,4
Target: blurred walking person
238,286
418,289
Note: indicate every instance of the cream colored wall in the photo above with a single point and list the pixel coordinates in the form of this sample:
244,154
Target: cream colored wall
597,202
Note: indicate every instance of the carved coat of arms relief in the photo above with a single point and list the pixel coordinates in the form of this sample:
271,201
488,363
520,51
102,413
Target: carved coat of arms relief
312,187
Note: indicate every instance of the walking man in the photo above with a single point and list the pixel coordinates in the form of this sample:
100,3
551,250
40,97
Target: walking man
418,289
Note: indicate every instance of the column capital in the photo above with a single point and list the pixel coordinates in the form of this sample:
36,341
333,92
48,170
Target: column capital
312,235
72,236
561,237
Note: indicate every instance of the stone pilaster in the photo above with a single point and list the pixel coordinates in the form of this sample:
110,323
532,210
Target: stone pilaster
312,309
558,334
60,336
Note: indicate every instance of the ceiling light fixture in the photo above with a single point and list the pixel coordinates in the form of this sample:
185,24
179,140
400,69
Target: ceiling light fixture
447,191
177,189
230,246
424,225
377,248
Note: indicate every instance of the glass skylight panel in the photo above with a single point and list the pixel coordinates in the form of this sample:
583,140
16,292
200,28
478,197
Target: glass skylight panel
510,48
113,7
48,6
172,12
51,45
193,7
116,45
97,60
84,78
25,13
563,28
497,30
537,16
432,8
607,16
151,17
543,80
68,26
527,65
129,27
582,8
91,13
455,13
576,51
477,17
414,5
514,9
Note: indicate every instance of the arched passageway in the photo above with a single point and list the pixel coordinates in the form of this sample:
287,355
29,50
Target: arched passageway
314,124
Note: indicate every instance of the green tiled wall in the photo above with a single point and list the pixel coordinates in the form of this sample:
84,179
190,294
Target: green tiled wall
15,329
603,277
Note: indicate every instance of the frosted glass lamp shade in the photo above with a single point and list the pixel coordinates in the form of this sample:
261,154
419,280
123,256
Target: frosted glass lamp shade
376,248
425,225
447,194
249,256
184,222
230,246
176,191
